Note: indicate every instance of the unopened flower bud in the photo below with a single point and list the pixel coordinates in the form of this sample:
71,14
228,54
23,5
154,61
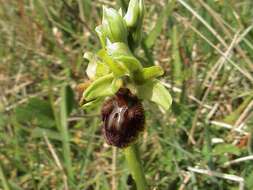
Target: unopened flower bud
134,20
114,26
135,13
123,118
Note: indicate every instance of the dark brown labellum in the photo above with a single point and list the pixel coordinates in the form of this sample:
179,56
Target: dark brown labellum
123,118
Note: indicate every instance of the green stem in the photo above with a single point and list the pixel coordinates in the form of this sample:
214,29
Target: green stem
3,179
134,164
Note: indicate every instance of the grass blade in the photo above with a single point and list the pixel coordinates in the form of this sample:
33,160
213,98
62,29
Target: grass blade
65,108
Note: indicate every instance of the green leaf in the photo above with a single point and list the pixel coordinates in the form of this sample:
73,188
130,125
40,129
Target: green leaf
176,60
66,105
69,99
221,149
103,86
3,120
155,92
51,134
249,181
37,111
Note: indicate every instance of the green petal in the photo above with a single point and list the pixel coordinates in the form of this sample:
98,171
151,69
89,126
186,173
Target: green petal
152,72
147,74
101,34
117,69
155,92
95,67
103,86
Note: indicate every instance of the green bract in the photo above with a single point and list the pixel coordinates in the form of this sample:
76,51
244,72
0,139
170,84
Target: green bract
115,66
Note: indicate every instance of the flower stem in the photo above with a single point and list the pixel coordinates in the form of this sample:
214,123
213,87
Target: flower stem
134,164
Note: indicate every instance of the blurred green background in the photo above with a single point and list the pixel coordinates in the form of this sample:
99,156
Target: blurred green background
48,142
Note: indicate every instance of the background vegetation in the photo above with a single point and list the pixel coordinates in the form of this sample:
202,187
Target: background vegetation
47,142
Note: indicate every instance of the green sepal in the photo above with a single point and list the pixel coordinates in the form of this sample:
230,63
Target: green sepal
121,53
101,35
117,69
155,92
95,68
103,86
93,104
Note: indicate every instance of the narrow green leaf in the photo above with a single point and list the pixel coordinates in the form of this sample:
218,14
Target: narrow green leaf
36,111
3,179
176,60
51,134
65,108
69,99
221,149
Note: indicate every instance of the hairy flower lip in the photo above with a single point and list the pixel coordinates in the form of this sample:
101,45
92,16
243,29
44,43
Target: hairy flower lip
123,118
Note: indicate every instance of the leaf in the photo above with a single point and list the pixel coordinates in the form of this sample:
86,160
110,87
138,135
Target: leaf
155,92
176,60
104,86
3,120
37,111
249,181
51,134
221,149
66,105
69,99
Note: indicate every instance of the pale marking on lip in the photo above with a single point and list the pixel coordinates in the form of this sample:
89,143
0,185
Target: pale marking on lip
120,111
